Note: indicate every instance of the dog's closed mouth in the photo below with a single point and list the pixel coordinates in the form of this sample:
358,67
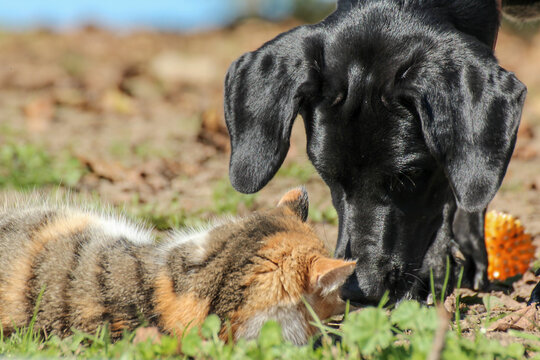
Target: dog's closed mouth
354,295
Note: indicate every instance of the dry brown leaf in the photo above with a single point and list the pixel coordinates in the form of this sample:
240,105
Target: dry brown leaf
112,171
505,302
524,286
119,182
529,278
525,319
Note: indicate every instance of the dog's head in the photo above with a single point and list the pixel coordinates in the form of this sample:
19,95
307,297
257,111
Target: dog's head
403,116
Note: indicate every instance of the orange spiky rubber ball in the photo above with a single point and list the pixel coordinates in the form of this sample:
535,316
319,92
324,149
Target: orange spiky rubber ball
510,249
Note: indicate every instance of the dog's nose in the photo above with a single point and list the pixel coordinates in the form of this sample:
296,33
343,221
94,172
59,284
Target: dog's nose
361,295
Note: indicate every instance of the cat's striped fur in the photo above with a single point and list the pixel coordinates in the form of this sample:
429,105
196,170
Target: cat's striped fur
94,269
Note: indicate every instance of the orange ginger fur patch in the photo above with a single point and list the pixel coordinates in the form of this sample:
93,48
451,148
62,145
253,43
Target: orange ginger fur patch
291,196
291,282
281,276
325,274
299,266
118,326
178,312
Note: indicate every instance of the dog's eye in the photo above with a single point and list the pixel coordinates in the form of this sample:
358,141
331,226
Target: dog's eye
415,173
339,98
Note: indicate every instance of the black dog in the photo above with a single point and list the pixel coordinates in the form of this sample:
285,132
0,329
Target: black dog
408,117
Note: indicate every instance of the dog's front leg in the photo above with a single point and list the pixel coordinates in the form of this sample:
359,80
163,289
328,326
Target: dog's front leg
469,234
435,262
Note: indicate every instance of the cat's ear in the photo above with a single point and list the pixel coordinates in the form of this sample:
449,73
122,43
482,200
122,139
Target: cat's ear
327,275
296,200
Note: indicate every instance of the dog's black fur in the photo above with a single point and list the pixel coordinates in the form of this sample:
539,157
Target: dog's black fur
408,117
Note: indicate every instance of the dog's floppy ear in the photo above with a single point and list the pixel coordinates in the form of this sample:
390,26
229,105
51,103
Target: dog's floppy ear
470,110
263,92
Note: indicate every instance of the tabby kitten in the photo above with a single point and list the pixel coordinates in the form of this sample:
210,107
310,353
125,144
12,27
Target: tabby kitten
94,269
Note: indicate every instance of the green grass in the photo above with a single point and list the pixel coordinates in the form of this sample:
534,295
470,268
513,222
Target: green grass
407,331
228,201
83,345
174,217
326,215
122,149
302,172
27,166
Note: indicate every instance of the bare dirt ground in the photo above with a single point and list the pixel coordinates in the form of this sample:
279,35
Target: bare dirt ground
143,111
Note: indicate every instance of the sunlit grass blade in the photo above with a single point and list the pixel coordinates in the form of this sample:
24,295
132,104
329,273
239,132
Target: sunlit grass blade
432,285
384,299
30,334
325,330
458,297
446,278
